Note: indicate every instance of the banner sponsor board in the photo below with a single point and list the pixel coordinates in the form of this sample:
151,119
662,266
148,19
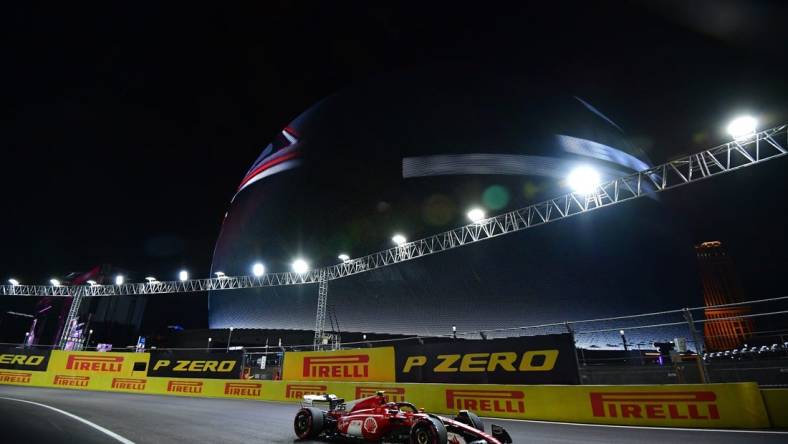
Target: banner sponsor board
132,384
393,394
736,405
98,365
71,381
176,386
196,364
15,377
24,359
674,405
776,402
243,389
547,359
296,392
369,364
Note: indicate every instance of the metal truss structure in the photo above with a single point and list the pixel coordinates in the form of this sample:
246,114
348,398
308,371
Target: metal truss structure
757,148
320,317
71,319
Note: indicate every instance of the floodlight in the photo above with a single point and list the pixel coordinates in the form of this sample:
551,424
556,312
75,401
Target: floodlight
150,279
742,127
183,276
476,215
343,257
258,269
220,275
583,180
300,266
399,239
54,282
92,283
119,280
13,282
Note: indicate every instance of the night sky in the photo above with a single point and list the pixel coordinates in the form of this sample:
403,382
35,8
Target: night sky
125,129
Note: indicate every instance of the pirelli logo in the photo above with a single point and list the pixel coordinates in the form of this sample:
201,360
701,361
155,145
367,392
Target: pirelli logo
348,366
93,363
128,384
493,401
15,378
393,394
242,388
175,386
297,391
655,405
71,381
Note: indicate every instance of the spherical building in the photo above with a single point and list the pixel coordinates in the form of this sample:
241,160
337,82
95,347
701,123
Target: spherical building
412,156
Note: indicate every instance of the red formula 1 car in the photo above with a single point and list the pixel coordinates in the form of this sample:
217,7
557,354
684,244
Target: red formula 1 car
374,419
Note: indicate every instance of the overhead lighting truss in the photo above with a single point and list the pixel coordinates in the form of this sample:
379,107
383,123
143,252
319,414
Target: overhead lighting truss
760,147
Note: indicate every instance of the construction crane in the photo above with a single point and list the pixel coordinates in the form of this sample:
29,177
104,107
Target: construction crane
739,153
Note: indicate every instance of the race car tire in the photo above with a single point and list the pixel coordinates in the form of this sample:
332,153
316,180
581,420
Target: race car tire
470,419
308,423
428,431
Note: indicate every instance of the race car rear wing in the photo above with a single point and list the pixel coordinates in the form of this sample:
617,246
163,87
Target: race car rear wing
332,400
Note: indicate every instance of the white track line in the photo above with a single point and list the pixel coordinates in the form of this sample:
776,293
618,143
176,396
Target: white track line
109,433
682,429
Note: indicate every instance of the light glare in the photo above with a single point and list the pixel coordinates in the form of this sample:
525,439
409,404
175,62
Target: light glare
583,180
119,280
13,282
183,276
54,282
258,269
476,215
343,257
399,239
742,127
300,266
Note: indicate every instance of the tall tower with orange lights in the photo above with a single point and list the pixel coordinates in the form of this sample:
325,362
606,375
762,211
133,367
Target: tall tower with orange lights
724,329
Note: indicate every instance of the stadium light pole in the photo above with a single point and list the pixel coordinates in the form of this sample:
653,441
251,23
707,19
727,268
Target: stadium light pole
624,340
230,337
209,344
454,331
258,269
183,276
87,342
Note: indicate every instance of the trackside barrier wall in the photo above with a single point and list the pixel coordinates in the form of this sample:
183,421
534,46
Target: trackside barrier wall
737,405
776,402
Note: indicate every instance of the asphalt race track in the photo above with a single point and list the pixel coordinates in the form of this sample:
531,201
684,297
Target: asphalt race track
165,419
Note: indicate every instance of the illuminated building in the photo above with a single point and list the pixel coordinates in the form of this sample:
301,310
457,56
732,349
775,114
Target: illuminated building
722,330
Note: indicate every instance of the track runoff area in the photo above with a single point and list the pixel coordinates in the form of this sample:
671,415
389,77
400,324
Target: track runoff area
42,415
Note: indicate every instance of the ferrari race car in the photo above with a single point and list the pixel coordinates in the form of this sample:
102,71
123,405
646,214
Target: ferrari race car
374,419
